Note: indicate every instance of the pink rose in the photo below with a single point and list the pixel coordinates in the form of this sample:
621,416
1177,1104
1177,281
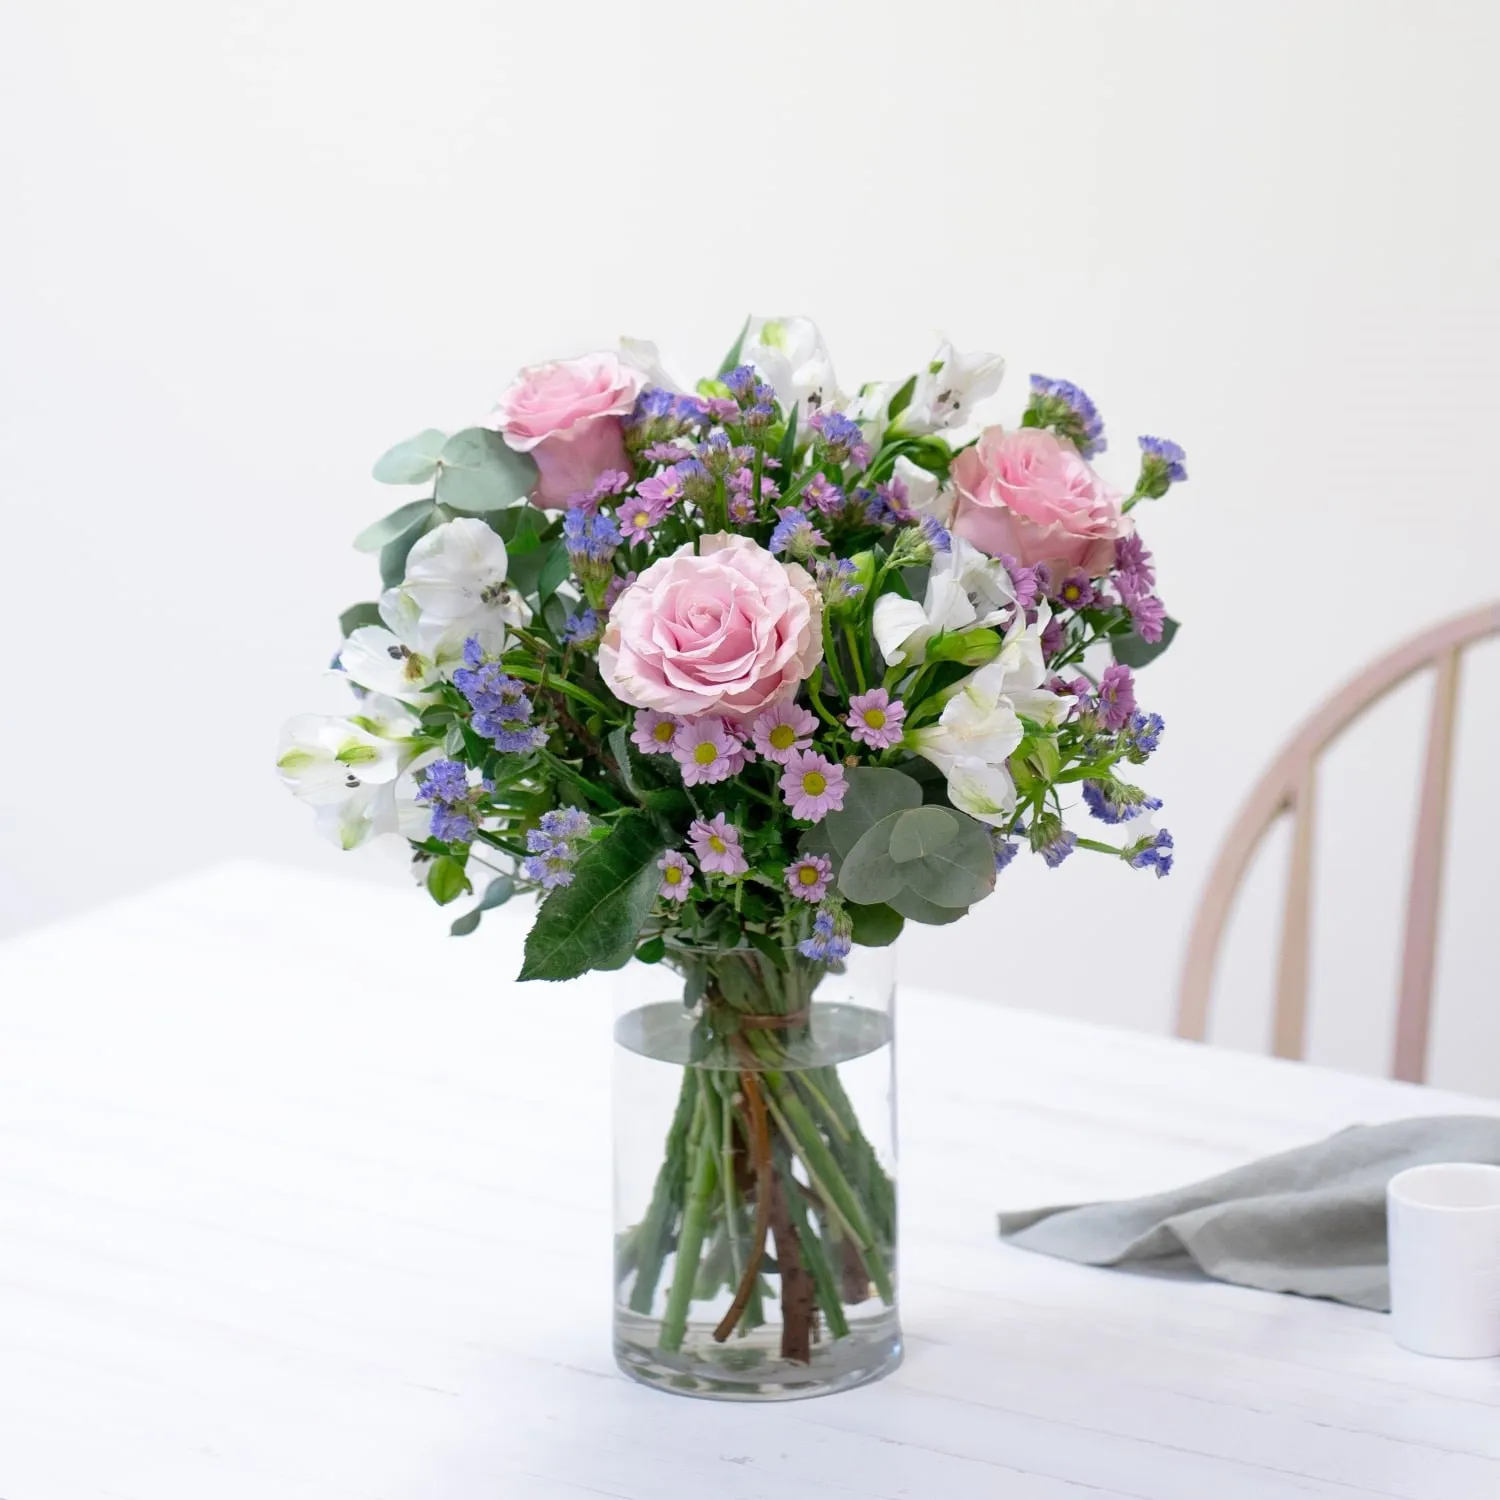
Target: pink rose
1029,494
729,631
567,416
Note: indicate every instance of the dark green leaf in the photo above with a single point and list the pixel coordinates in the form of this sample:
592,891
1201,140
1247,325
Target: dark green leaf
555,615
554,570
594,922
733,357
446,880
413,461
357,615
526,567
478,471
901,400
921,831
787,453
394,554
388,528
496,893
1132,651
651,951
875,926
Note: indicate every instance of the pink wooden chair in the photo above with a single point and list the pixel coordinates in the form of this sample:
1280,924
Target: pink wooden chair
1290,787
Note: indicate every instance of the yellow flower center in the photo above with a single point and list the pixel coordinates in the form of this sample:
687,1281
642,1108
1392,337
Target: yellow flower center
642,518
1072,593
705,754
717,844
783,737
875,718
808,875
663,732
814,783
674,875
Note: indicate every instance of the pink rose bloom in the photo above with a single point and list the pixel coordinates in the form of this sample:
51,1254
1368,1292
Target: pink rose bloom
568,415
730,631
1030,495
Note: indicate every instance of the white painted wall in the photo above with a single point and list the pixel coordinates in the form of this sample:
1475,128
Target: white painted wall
246,246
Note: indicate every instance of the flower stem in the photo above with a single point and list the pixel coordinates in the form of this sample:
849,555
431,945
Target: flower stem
701,1174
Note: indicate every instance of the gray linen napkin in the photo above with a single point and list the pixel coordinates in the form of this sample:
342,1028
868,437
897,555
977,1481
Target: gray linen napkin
1309,1221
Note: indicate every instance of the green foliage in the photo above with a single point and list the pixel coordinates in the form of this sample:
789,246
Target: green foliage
477,471
787,453
446,880
413,462
902,399
496,893
875,926
873,793
731,359
1132,651
594,922
357,615
388,528
394,554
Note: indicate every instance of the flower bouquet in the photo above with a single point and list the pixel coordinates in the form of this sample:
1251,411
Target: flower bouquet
738,681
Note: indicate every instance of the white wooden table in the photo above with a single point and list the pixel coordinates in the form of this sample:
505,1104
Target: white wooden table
299,1198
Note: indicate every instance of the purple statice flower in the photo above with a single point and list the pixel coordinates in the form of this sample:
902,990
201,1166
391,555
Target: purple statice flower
1074,592
1134,571
1151,854
1163,464
1142,736
1051,840
705,750
591,538
781,731
832,934
842,439
444,786
653,733
1115,802
502,711
553,847
676,876
749,390
807,878
718,455
666,453
1067,409
1005,850
1115,701
1148,615
660,415
823,495
874,720
716,845
795,533
939,538
582,628
836,581
618,583
813,785
444,781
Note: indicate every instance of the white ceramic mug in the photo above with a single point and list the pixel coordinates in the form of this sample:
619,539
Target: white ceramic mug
1444,1229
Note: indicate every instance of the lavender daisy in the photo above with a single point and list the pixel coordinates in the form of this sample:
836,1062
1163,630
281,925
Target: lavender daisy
780,731
676,876
716,845
1115,701
653,732
705,750
874,720
814,786
807,878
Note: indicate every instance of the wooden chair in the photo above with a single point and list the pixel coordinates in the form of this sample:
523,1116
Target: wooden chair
1290,787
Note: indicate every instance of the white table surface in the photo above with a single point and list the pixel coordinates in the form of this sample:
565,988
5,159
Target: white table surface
300,1198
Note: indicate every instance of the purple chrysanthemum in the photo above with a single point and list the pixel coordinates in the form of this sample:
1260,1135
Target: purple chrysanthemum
874,720
676,876
653,732
780,731
813,785
823,495
1114,703
705,750
807,878
716,845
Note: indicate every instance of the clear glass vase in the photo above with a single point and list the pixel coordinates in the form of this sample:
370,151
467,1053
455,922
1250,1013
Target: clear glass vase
755,1162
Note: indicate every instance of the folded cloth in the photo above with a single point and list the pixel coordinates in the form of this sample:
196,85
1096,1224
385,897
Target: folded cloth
1309,1221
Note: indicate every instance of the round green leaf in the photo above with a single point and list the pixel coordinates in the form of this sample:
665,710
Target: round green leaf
413,461
916,908
388,528
872,793
875,926
958,874
477,471
868,874
921,831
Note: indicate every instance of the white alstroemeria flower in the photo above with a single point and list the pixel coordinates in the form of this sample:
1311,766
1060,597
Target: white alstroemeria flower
364,814
871,408
381,661
947,390
980,726
964,588
791,355
925,494
323,758
455,587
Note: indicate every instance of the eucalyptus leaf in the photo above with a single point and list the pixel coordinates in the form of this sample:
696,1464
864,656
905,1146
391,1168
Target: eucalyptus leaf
917,908
733,357
873,793
478,471
594,922
394,554
868,874
388,528
875,926
412,462
959,873
921,831
357,615
1131,651
496,893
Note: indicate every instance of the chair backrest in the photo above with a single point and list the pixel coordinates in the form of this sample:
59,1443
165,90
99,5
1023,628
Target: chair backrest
1290,787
